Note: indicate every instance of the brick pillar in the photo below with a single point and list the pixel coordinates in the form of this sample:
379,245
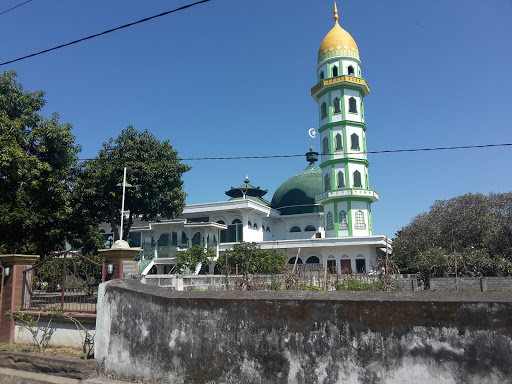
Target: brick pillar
12,299
118,270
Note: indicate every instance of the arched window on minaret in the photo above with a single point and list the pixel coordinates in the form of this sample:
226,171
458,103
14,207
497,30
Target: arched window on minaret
350,70
360,224
325,146
321,75
352,107
341,179
329,222
327,182
334,71
323,111
339,144
354,141
337,105
343,220
357,179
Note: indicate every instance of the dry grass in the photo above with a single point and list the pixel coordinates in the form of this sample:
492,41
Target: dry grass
54,351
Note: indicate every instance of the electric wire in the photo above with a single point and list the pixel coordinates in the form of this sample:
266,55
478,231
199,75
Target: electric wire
19,5
105,32
348,153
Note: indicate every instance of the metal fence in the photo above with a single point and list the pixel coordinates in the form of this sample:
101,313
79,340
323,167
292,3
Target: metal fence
67,280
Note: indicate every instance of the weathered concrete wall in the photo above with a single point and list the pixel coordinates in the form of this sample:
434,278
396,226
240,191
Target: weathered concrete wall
482,284
156,335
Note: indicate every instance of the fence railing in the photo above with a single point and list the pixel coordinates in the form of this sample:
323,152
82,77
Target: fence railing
66,279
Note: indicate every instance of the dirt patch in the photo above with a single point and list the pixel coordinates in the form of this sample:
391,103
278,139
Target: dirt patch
51,351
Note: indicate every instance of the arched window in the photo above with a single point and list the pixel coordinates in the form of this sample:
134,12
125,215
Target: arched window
357,179
350,70
352,107
313,260
335,71
343,220
341,179
325,146
327,182
329,223
295,229
268,229
255,226
236,221
360,224
249,224
220,222
310,228
292,261
321,75
354,141
337,105
323,110
339,144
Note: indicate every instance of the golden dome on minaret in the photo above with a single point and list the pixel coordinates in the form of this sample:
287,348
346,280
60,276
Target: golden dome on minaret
337,42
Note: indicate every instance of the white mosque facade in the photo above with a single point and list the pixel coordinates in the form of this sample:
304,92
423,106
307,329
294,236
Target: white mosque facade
322,215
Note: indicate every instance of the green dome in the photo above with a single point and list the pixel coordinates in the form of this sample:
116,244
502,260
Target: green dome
297,194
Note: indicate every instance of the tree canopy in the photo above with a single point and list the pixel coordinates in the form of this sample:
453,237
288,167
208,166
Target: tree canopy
473,231
153,171
37,158
251,259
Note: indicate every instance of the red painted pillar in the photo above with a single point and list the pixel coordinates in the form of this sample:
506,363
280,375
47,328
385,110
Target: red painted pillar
117,270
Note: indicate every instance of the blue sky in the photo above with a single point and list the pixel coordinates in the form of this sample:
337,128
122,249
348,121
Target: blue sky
233,78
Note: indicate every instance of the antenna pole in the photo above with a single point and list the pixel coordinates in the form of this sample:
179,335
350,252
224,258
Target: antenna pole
122,205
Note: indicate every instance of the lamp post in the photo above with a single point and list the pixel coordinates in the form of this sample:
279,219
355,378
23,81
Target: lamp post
124,185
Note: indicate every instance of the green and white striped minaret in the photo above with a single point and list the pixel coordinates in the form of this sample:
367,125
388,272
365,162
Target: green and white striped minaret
339,93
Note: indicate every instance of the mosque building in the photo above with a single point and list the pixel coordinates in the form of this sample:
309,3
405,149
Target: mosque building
321,215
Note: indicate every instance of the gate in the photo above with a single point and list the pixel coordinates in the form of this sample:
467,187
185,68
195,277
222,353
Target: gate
66,279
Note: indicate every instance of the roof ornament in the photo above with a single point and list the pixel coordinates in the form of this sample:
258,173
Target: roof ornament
246,181
335,14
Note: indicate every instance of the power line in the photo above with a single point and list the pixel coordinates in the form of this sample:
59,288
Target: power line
348,153
105,32
19,5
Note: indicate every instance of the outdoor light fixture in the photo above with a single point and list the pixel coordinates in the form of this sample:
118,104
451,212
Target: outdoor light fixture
110,269
7,271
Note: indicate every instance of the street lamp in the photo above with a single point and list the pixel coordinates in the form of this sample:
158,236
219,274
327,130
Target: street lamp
124,185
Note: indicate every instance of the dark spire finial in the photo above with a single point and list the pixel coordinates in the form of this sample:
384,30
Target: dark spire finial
311,156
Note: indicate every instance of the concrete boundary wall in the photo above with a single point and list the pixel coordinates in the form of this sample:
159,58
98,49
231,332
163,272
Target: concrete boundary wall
155,335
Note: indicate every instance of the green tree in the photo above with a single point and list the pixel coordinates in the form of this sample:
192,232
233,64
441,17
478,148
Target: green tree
153,170
473,230
37,158
191,258
251,259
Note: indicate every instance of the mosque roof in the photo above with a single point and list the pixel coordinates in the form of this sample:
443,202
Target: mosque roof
297,194
337,42
248,191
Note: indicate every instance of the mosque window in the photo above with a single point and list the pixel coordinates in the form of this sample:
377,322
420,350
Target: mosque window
268,229
343,220
327,183
313,260
326,146
335,71
352,107
337,105
357,179
351,70
354,141
220,222
255,226
321,75
292,261
329,225
249,224
310,228
337,140
323,111
236,221
341,179
360,220
295,229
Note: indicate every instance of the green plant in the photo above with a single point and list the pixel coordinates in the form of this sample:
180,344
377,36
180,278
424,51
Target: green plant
305,287
274,285
355,285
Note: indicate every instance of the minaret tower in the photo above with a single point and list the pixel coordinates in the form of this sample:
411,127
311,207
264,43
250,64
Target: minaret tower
339,93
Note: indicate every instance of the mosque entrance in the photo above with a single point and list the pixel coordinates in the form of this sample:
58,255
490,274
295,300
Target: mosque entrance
345,267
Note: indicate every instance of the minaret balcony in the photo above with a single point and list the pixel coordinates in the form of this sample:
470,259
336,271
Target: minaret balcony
348,193
351,81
